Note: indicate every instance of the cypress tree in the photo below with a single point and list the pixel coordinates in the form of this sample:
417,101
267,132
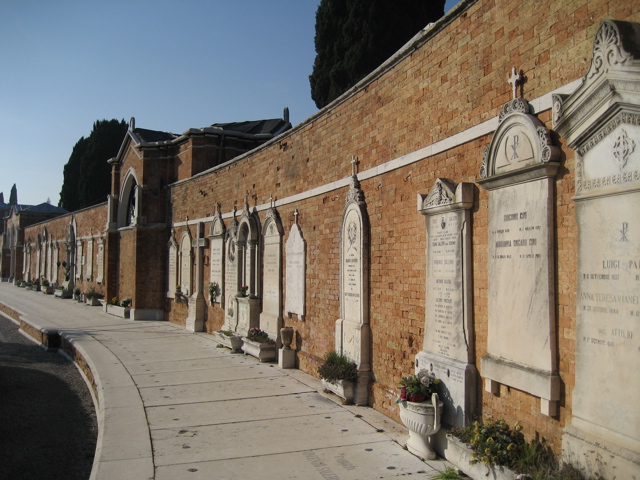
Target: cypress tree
354,37
87,175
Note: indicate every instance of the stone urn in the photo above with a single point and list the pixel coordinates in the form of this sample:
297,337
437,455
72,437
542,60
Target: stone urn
422,419
286,335
236,344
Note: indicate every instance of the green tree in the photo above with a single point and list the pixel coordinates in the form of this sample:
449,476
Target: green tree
87,175
13,196
354,37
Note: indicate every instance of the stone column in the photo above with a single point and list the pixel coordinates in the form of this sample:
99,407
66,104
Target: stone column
195,320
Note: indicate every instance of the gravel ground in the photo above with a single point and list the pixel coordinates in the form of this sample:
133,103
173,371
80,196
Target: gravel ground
48,425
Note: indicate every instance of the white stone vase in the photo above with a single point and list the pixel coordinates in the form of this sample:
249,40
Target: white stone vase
422,419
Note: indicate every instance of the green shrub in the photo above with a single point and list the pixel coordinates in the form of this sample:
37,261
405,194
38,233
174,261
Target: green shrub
338,367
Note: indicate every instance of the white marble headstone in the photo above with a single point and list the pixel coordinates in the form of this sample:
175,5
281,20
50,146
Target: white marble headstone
296,272
518,170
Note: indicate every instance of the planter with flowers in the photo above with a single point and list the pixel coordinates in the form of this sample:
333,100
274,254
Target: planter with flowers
47,288
119,309
230,340
242,291
420,411
258,344
92,298
339,375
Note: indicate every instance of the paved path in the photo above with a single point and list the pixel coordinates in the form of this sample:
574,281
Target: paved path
174,406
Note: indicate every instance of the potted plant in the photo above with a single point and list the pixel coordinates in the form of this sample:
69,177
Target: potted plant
214,291
92,298
230,340
76,294
119,309
420,411
339,375
243,291
47,288
258,344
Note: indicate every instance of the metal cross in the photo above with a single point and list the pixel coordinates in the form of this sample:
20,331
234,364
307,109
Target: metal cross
514,79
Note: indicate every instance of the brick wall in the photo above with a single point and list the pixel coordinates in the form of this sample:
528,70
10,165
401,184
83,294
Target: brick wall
452,82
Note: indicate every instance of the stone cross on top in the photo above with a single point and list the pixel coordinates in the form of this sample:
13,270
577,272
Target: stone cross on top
354,164
514,80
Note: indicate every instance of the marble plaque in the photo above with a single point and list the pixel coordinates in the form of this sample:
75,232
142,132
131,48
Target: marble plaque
231,284
185,264
172,278
100,265
601,123
608,317
216,260
520,274
518,170
446,335
448,347
271,316
79,258
89,272
352,334
296,272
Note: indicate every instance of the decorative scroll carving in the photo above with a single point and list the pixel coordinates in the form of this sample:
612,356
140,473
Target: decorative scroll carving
607,50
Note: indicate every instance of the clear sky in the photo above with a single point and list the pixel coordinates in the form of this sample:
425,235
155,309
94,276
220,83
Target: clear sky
173,65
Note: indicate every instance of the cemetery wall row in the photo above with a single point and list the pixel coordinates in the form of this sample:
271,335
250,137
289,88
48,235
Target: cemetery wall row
428,116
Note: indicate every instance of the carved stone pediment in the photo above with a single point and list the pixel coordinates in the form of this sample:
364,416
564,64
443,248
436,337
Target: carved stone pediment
217,228
446,195
520,142
613,81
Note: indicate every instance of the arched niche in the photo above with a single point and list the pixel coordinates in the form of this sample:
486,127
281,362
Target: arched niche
129,205
248,239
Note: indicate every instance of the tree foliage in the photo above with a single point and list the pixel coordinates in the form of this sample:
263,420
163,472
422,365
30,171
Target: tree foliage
87,175
354,37
13,196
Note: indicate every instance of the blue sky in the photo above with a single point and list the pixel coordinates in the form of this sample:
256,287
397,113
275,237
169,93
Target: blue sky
171,65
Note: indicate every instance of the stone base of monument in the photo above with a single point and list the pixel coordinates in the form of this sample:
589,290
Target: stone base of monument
592,455
286,358
265,352
459,454
457,388
345,389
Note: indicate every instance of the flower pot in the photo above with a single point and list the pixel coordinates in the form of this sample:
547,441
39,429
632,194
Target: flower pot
286,335
343,388
236,344
422,419
460,454
118,311
265,352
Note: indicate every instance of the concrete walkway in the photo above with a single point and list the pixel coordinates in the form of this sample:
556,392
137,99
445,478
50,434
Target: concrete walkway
172,405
